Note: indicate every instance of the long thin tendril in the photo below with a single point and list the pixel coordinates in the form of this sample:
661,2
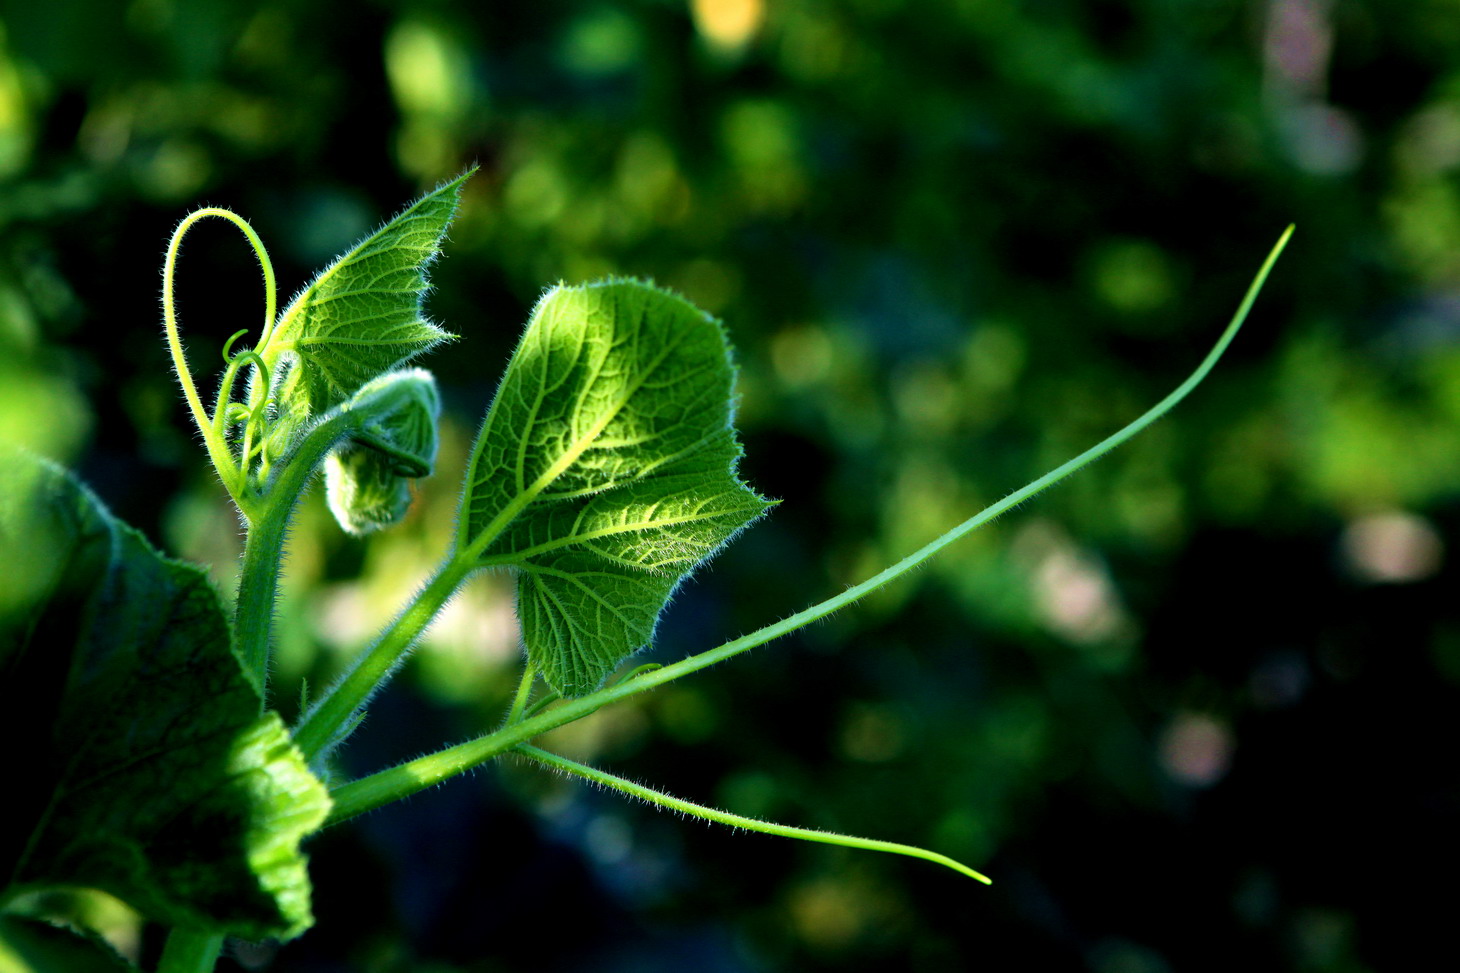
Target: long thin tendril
736,820
233,475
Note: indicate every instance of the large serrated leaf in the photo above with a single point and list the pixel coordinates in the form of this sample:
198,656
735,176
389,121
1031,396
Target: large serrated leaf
362,315
605,471
148,768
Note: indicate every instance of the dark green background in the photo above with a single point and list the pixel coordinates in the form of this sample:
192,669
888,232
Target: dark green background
1192,710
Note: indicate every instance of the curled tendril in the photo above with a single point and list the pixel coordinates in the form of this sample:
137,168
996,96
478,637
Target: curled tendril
228,345
249,356
231,413
235,361
234,476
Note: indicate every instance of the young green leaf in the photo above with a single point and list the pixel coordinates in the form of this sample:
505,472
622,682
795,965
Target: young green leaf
605,471
148,770
362,315
365,478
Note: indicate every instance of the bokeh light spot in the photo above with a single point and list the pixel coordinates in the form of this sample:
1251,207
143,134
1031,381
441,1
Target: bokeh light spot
1073,596
536,194
801,355
1133,275
1196,749
15,133
602,41
727,24
427,70
1393,547
872,734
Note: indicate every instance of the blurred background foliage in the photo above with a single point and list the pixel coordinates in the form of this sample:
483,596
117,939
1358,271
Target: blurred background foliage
1189,709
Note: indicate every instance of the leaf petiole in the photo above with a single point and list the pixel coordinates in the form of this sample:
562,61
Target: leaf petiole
542,703
324,725
524,692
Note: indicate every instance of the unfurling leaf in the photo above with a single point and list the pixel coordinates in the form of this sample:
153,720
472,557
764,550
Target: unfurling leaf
605,471
148,770
366,478
362,315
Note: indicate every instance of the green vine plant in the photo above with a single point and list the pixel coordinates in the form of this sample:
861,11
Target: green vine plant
604,472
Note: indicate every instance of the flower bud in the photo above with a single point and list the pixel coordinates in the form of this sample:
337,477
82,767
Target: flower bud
366,476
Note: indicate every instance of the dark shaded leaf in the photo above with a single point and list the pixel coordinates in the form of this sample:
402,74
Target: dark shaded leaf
150,771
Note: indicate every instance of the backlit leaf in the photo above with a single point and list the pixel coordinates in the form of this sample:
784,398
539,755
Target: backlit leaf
606,471
362,316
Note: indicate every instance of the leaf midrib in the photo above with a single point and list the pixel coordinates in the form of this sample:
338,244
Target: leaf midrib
519,557
320,300
363,342
570,456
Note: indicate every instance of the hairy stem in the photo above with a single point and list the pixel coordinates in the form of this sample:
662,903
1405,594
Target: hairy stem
268,526
321,726
190,951
258,587
416,775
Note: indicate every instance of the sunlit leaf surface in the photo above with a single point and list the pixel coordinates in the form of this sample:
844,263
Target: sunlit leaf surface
606,471
362,315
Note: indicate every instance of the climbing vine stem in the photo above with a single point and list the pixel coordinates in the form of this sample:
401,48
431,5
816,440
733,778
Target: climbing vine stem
416,775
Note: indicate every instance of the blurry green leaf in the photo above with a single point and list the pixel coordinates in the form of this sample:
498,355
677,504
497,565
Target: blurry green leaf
149,771
32,946
362,315
366,477
605,471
